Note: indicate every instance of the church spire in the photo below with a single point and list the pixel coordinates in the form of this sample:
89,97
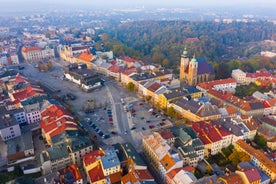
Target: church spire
185,52
194,59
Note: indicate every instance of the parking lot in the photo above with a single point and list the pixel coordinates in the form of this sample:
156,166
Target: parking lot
101,111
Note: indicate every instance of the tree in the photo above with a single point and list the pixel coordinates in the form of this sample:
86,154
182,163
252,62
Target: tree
171,112
260,141
236,157
49,65
130,86
208,169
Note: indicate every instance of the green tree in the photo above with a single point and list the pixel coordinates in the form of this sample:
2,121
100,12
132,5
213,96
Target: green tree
130,86
260,141
171,112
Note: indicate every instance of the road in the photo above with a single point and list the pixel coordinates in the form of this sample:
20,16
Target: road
113,91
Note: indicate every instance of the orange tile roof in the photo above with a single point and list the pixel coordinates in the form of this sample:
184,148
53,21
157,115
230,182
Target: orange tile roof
76,171
115,177
232,179
28,92
129,60
251,124
115,69
259,155
32,48
167,162
231,110
144,174
85,56
91,157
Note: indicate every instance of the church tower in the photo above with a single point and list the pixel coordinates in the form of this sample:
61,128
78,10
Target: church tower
192,73
184,62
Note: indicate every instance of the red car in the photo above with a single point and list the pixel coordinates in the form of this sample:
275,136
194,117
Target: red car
110,119
162,123
152,126
133,111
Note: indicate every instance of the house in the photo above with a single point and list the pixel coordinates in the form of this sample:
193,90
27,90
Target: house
258,159
85,78
102,166
157,154
189,146
213,137
56,120
34,53
232,178
249,175
54,158
196,111
9,128
70,174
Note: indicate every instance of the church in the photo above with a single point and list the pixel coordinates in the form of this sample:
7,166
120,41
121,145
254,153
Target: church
194,71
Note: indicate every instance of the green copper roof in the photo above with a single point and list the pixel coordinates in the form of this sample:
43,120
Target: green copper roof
185,52
194,59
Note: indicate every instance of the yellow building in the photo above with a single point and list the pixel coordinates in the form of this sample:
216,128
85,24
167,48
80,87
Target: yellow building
195,71
187,91
258,158
195,111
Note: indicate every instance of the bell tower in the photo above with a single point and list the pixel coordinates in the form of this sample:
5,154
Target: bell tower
184,63
192,76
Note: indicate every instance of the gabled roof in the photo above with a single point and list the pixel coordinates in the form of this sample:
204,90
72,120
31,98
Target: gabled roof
30,49
167,162
208,132
233,178
96,174
115,69
92,157
166,134
154,87
86,57
252,175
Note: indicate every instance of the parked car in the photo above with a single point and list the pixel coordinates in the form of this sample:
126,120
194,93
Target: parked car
113,133
152,126
71,96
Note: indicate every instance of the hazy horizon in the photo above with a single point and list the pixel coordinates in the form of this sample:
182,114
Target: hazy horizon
128,3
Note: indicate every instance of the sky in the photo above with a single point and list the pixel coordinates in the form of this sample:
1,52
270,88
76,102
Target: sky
156,3
17,6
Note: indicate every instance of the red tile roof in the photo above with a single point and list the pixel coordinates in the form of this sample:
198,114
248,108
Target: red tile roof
144,174
115,177
30,49
166,134
232,179
129,60
55,120
91,157
210,84
154,87
252,175
209,132
115,69
96,174
28,92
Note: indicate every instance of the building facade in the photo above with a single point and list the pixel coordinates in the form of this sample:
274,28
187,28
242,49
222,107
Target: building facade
195,71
